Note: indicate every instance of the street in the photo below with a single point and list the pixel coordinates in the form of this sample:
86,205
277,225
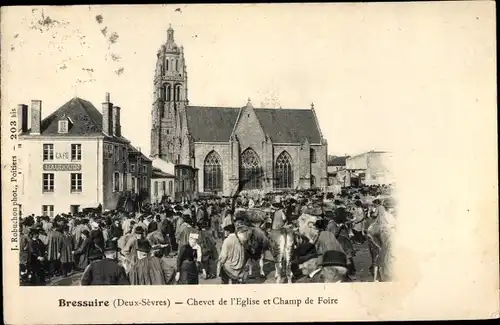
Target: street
362,261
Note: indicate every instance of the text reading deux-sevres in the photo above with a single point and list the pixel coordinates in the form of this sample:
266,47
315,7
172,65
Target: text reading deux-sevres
145,302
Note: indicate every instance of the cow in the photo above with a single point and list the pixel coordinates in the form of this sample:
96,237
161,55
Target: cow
279,242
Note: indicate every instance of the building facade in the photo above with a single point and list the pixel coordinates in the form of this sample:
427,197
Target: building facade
162,186
73,159
337,171
371,168
140,171
269,149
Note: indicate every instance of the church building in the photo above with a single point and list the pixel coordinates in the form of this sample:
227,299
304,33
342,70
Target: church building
270,149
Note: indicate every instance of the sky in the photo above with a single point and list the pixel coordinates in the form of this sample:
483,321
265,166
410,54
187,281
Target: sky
373,71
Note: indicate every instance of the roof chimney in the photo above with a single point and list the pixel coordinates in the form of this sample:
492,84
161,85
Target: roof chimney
117,129
22,116
107,116
36,116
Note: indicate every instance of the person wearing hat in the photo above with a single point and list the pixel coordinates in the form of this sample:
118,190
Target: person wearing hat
208,245
129,250
140,223
24,243
160,239
82,252
154,223
36,258
115,229
227,223
323,240
105,271
148,270
201,214
334,268
233,259
97,236
189,261
183,230
55,242
126,224
279,217
66,257
330,267
127,232
215,220
358,223
46,224
80,225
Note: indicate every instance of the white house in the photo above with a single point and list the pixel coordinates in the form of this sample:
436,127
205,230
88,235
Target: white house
162,184
74,158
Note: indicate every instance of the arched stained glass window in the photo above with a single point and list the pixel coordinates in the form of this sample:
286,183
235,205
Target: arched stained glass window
284,171
250,170
212,173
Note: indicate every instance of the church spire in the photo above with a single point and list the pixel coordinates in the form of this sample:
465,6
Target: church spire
170,34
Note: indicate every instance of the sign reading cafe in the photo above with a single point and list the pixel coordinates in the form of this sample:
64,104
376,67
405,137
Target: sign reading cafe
62,167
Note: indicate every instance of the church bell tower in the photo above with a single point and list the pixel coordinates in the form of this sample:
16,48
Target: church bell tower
169,102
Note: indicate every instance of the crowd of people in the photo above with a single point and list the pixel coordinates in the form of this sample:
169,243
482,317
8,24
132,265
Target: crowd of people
181,242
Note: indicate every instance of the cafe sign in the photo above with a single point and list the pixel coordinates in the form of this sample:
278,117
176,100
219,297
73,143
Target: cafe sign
62,167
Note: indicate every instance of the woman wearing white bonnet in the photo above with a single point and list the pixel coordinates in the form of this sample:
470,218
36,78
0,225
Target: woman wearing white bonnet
189,261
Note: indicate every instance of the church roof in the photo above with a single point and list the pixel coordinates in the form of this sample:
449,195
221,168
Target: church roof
85,118
289,125
215,124
211,124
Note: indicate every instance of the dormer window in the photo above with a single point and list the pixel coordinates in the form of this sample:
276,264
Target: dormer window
63,126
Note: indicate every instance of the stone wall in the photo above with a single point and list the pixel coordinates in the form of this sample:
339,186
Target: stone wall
319,168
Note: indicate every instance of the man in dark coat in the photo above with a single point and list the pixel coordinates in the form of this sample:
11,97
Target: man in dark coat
115,230
36,258
105,271
82,252
66,257
149,270
54,247
153,224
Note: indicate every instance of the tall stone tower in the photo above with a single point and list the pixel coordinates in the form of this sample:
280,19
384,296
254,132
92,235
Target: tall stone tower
169,102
